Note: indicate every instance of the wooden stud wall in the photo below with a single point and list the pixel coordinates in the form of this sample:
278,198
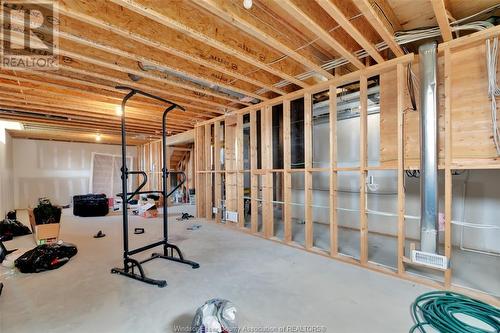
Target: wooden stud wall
397,66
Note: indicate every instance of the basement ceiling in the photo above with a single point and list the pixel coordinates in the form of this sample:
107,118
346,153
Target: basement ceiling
210,56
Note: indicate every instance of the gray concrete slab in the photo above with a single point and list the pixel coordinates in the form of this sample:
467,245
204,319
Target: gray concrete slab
271,284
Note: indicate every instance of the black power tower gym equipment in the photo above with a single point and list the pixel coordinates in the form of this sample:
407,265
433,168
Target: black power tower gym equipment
169,250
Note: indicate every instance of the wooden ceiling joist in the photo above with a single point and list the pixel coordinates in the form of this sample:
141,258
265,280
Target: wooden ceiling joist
334,11
207,56
139,58
148,54
119,64
78,114
222,10
380,22
71,136
197,35
76,109
441,13
294,11
210,107
104,92
61,92
83,125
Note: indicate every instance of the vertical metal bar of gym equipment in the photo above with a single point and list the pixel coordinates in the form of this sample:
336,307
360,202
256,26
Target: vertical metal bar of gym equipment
129,264
124,171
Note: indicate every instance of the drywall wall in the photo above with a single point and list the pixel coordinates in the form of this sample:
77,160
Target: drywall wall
57,170
6,173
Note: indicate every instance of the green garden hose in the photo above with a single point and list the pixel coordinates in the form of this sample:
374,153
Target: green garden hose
439,310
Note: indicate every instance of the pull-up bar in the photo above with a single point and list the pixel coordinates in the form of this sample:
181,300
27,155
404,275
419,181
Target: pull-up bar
130,264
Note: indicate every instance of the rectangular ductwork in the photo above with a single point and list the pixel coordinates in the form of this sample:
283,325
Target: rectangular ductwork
428,148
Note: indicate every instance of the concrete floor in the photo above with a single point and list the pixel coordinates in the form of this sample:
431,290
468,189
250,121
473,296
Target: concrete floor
471,270
271,284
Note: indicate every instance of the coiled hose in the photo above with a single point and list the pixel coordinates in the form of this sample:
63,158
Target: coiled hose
439,310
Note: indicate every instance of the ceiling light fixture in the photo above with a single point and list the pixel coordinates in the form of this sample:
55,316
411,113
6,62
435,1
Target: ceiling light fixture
247,4
98,137
119,110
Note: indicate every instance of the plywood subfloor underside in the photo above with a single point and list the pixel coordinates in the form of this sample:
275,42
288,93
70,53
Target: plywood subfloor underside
271,284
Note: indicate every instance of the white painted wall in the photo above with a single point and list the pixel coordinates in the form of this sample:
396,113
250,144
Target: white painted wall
57,170
6,173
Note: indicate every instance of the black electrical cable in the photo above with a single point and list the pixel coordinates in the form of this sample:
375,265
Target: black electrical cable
412,173
442,311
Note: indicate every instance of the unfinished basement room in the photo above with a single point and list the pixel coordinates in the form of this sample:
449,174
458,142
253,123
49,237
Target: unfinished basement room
230,166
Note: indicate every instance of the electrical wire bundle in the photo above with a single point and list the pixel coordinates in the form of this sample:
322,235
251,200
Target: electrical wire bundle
401,38
441,311
493,89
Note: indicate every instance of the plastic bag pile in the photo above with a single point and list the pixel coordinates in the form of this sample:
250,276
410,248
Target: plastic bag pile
45,257
11,227
215,316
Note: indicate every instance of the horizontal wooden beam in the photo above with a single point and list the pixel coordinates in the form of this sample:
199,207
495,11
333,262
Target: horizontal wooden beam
346,24
295,12
377,22
338,81
439,8
222,11
192,33
117,64
72,136
160,41
63,92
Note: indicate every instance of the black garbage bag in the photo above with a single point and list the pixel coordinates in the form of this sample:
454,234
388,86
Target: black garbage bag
46,213
45,257
12,228
12,215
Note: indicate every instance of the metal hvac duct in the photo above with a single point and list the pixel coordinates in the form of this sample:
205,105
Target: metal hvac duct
428,148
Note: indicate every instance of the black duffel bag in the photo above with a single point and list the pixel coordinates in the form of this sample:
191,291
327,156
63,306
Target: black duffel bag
90,205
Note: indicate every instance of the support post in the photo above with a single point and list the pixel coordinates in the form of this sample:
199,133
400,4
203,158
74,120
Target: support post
208,169
363,219
217,169
448,180
267,165
253,171
287,176
332,105
309,232
400,72
239,170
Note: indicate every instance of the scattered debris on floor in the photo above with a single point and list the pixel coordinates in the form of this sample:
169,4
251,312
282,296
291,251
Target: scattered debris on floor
46,257
185,216
139,231
10,227
216,315
100,234
90,205
3,251
194,227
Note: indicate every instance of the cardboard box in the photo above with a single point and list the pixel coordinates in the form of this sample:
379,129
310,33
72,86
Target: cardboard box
44,233
151,213
148,210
